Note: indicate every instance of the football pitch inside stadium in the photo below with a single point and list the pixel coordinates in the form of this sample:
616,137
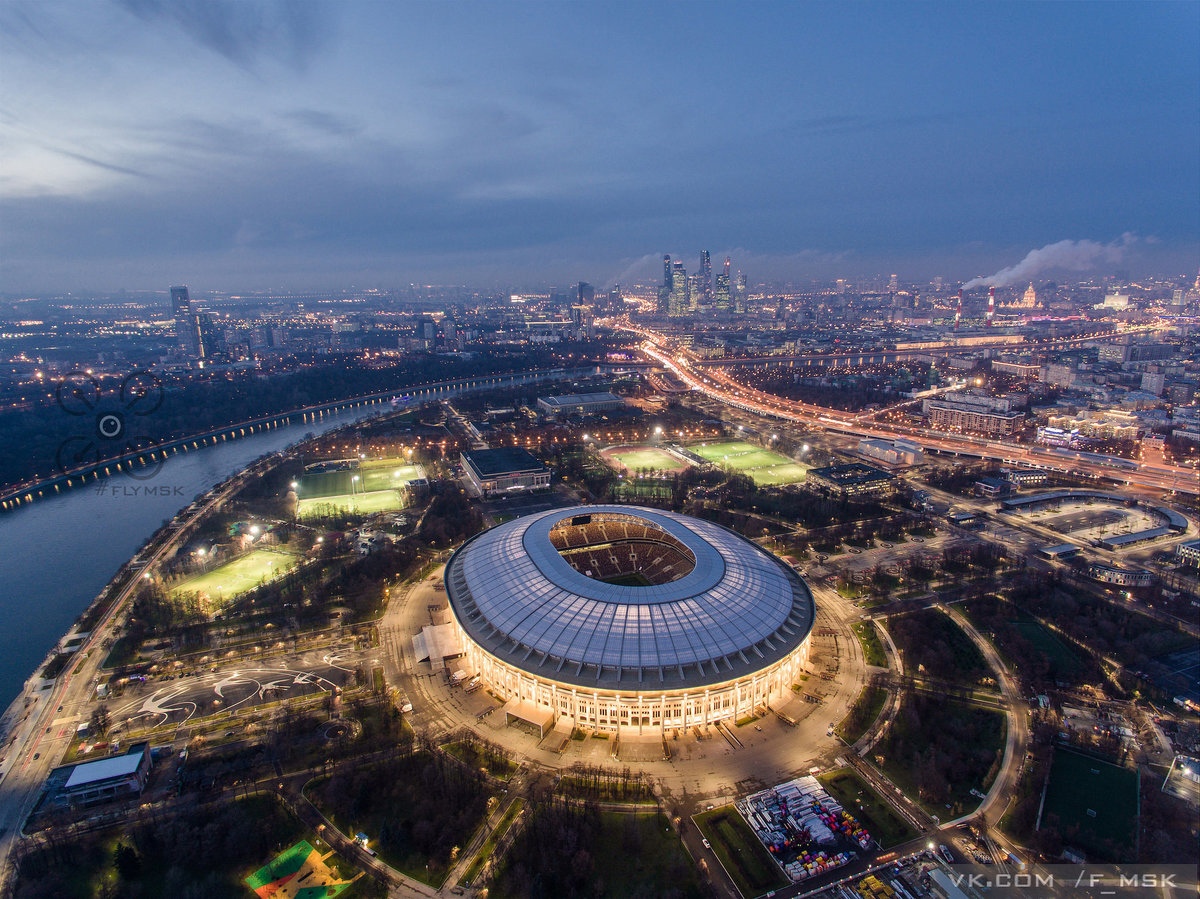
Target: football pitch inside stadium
632,459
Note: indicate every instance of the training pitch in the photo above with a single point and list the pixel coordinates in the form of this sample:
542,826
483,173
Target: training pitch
765,467
351,503
632,459
235,577
1094,802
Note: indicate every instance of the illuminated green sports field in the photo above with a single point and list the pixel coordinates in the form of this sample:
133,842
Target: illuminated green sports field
375,485
230,580
765,467
633,459
351,503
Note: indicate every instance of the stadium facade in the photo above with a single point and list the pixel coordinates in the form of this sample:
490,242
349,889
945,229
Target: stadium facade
624,619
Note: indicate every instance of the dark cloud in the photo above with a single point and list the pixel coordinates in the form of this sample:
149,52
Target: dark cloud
243,31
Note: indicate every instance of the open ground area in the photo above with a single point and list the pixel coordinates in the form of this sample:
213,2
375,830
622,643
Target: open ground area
765,467
232,579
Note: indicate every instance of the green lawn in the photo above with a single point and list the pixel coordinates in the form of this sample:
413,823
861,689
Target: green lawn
1092,804
862,714
489,845
634,459
353,503
1065,662
225,582
763,466
868,636
740,851
387,474
859,799
774,475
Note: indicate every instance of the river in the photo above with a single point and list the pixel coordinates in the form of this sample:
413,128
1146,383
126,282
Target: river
57,554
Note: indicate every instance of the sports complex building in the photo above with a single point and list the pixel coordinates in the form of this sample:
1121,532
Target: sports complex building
624,619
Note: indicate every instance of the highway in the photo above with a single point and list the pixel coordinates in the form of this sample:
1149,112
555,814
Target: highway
718,384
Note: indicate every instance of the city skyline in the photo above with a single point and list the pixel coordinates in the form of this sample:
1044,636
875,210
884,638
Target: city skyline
250,146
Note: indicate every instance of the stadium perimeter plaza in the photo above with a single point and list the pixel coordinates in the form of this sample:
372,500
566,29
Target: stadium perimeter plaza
659,690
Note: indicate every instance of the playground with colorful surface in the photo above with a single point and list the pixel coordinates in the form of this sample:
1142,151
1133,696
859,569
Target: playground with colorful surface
298,873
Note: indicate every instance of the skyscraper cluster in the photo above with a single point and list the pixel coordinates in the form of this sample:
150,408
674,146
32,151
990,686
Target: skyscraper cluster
680,295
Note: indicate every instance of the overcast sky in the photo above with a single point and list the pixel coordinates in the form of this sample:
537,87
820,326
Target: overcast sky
241,145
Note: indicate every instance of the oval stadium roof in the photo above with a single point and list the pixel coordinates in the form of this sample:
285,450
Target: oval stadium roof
737,611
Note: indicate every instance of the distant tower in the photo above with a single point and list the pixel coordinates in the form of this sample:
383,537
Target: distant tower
664,292
722,297
739,293
958,311
991,310
706,283
187,323
894,282
680,301
181,303
1029,300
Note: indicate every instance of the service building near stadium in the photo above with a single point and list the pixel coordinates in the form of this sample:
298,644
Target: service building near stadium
628,620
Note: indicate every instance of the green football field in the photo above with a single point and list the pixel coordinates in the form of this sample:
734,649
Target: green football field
235,577
352,503
1094,801
368,477
385,474
634,458
762,465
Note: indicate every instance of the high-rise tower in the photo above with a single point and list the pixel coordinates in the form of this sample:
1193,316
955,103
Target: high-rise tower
680,302
187,324
991,310
706,283
722,298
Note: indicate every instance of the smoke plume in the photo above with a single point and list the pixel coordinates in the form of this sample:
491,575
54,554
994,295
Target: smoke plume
1072,255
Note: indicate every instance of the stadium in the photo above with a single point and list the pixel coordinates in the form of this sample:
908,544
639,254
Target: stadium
628,620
